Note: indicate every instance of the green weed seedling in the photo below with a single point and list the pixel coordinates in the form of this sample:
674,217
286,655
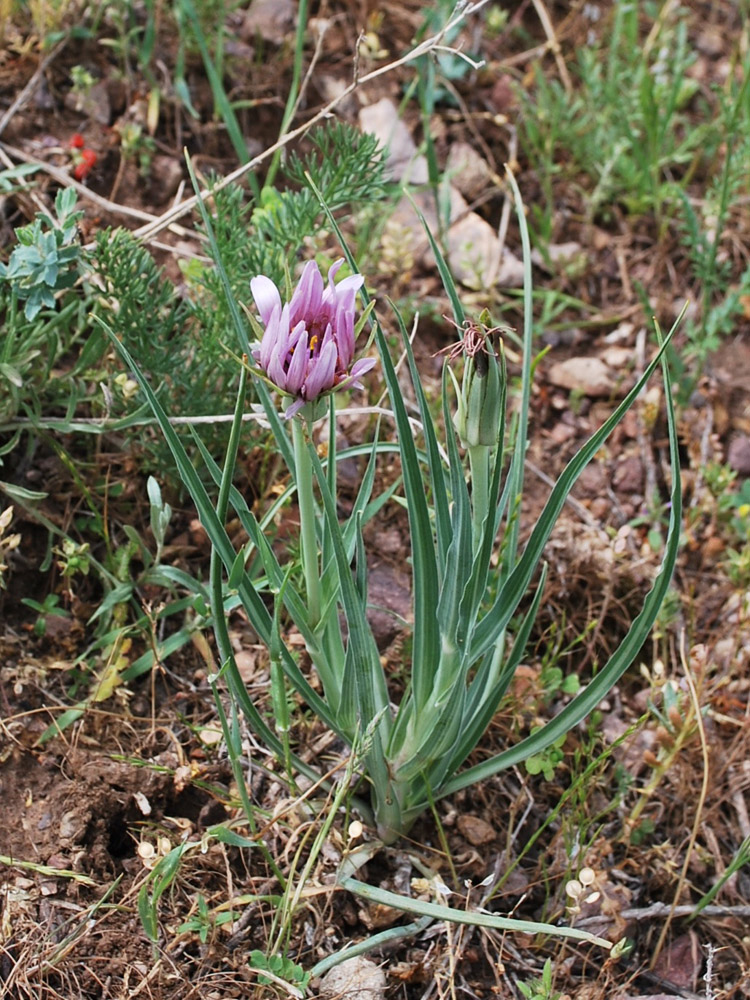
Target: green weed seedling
737,506
279,970
552,678
673,714
82,82
137,145
49,607
540,989
547,760
740,860
205,921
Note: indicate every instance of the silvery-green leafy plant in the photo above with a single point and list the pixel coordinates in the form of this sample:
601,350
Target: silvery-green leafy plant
47,255
469,571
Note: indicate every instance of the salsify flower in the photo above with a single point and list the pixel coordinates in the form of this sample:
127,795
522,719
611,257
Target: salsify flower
307,347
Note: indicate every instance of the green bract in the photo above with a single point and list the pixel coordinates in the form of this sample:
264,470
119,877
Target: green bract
468,637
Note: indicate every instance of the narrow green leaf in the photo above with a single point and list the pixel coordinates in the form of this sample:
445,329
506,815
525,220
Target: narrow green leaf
445,272
221,101
518,462
592,694
252,602
435,462
514,588
362,663
473,918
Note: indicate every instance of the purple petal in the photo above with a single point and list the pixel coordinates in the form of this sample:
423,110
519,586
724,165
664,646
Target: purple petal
298,366
308,294
296,333
329,296
344,323
351,284
294,408
334,269
326,338
266,296
322,371
362,366
359,368
276,366
276,326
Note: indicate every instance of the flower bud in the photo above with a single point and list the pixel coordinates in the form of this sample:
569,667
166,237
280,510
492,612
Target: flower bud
478,416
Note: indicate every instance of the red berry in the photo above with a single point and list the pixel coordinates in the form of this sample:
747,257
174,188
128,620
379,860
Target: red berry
87,161
76,140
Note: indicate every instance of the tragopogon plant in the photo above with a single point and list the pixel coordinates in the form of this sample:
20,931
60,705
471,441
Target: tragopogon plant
469,575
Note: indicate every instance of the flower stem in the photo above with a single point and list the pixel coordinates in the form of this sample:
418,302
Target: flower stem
307,519
479,464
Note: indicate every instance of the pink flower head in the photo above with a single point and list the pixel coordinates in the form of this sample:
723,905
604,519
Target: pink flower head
308,343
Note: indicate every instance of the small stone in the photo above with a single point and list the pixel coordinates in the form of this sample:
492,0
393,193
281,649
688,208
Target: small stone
472,250
622,334
652,996
618,357
389,602
270,20
382,120
59,861
94,103
166,174
600,508
249,663
70,825
711,41
354,979
589,376
592,482
376,916
510,272
142,802
560,255
503,96
738,455
628,477
476,830
713,549
467,170
680,962
561,433
600,239
474,255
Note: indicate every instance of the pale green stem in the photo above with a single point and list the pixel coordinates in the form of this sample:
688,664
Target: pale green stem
280,703
479,465
307,520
